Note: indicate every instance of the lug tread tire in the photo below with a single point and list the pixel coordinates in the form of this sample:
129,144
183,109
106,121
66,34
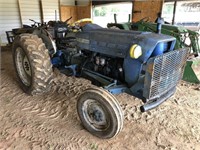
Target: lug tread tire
39,59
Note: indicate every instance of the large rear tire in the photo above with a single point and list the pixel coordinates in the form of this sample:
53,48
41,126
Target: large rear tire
32,64
100,113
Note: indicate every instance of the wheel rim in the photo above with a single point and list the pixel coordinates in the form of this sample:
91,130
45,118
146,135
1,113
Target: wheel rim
23,66
95,115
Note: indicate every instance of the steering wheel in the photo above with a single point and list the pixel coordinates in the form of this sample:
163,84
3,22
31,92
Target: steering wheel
34,25
68,19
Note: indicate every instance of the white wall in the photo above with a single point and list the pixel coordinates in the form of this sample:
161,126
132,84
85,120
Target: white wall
9,17
49,8
30,10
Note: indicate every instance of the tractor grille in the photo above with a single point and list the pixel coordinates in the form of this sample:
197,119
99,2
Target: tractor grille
163,73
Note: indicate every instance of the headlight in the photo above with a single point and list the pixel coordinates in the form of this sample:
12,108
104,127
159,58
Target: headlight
135,51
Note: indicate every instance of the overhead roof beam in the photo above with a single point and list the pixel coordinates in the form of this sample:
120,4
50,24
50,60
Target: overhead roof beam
176,0
100,2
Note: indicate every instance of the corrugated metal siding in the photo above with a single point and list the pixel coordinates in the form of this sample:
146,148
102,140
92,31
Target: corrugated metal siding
49,8
30,10
9,18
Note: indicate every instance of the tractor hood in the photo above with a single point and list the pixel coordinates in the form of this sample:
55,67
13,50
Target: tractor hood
117,43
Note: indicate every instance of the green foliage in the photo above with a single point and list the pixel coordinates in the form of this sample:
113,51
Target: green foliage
96,12
115,10
168,9
103,11
100,11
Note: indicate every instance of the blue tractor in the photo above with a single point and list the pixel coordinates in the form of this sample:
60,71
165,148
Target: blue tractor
142,64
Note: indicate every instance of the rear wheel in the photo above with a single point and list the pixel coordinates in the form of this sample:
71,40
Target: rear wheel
32,64
100,113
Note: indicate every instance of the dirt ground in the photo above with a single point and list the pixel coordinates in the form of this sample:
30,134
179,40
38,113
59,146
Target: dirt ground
50,121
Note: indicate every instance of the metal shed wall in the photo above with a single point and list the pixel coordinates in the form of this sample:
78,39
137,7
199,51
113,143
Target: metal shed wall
30,10
50,10
9,18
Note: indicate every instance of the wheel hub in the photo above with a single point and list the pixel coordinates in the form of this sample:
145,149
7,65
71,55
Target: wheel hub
27,66
23,66
96,115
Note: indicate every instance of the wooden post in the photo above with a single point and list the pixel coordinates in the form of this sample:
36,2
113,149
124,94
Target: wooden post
41,11
59,5
20,15
162,7
132,10
174,12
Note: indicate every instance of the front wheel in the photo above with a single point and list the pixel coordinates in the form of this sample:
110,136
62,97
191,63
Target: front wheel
32,64
100,113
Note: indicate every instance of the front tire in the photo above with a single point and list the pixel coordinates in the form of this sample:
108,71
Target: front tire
32,64
100,113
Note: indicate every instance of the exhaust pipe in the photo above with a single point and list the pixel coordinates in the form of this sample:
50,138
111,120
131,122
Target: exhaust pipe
160,21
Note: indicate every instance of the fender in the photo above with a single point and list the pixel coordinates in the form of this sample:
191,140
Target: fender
47,39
